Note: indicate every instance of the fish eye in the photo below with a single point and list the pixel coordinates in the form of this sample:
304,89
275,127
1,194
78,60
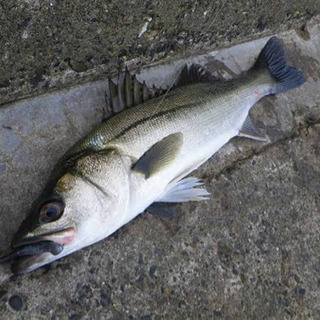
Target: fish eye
51,211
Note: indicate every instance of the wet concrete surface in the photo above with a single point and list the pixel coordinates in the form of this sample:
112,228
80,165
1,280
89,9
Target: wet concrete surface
251,252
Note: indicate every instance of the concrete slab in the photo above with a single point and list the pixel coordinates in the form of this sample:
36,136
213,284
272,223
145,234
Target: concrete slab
48,45
252,251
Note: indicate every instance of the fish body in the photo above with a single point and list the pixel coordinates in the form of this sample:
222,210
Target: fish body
143,154
206,115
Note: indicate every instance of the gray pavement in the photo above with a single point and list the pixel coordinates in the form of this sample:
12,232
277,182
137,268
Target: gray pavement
251,252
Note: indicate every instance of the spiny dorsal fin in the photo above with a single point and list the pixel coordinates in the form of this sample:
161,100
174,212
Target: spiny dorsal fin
127,92
160,155
249,130
193,73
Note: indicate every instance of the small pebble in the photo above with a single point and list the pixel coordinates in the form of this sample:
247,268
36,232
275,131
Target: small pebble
104,300
235,270
302,291
152,271
261,26
3,168
217,313
16,303
146,318
2,294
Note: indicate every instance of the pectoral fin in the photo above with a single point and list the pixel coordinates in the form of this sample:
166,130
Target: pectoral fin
249,130
160,155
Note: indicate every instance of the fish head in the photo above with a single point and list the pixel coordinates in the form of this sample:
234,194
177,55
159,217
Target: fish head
82,209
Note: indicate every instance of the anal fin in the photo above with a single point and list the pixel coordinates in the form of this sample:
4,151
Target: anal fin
249,130
185,190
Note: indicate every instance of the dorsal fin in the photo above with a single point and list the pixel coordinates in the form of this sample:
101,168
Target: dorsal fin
127,92
194,73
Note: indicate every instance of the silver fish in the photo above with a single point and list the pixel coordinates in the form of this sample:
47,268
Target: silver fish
143,154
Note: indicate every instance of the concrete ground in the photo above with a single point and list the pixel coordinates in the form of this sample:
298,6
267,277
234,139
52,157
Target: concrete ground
252,251
46,45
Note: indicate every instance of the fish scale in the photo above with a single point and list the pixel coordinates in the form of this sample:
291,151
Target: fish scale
211,105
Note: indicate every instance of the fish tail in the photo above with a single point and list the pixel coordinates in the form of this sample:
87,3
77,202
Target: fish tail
272,57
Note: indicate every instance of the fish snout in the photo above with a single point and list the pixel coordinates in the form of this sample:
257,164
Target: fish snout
30,251
25,256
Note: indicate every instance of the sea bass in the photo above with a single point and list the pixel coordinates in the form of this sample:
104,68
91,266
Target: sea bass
143,154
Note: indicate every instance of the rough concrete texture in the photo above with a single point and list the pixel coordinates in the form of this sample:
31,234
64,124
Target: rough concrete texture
48,44
251,252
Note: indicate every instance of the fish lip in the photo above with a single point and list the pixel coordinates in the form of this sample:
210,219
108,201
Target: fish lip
27,264
63,236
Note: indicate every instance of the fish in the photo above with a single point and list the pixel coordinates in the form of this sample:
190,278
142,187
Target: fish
143,154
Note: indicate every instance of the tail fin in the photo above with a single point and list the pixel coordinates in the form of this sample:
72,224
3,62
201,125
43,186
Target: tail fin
272,57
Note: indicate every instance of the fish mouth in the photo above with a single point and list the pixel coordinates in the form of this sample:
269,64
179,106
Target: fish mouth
63,237
32,252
